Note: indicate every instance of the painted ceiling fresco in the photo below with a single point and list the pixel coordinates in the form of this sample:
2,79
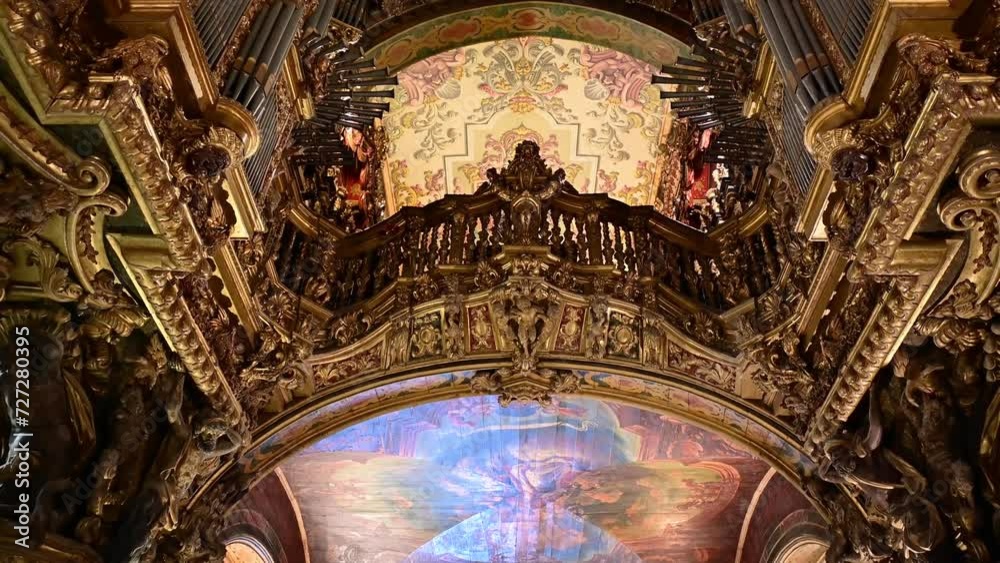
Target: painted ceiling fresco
469,481
591,109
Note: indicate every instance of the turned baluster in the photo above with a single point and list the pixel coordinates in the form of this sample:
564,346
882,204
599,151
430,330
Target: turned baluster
710,285
467,251
457,238
577,239
547,231
674,265
631,250
381,265
421,252
433,239
607,252
336,290
620,245
351,281
497,235
556,231
657,256
409,242
365,289
482,238
445,243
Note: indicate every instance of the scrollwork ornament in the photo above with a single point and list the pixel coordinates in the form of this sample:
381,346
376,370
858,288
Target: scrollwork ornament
53,277
975,210
596,338
454,327
513,386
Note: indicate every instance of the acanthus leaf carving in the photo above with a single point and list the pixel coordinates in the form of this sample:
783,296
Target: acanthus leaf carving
514,386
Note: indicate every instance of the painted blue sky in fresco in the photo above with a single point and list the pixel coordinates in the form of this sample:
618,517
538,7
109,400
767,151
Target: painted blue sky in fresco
467,481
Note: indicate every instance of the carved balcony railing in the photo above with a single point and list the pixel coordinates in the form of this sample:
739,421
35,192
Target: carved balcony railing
527,209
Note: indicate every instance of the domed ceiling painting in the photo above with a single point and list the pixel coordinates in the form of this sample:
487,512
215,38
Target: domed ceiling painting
469,481
591,109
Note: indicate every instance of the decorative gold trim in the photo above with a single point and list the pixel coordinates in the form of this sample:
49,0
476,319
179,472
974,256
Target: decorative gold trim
237,289
172,20
152,271
891,20
916,268
47,155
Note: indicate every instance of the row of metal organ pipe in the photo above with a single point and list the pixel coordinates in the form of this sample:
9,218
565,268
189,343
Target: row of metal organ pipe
800,56
252,74
803,61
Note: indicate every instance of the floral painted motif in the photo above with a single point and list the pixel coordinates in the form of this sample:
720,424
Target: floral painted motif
626,99
523,75
493,23
592,110
414,194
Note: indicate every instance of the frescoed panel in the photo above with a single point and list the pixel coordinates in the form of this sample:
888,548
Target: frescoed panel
496,23
592,111
580,480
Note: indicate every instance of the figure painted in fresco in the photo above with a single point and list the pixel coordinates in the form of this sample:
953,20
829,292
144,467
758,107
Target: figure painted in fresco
469,481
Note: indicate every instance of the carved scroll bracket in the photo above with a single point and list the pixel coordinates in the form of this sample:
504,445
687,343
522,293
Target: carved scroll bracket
975,210
514,386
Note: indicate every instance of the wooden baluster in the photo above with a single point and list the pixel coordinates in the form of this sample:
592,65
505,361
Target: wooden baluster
557,233
502,231
433,238
444,252
667,265
487,236
365,279
619,235
589,236
630,240
457,238
656,257
378,277
336,267
421,252
545,230
690,272
468,251
352,281
577,239
607,245
582,238
710,286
